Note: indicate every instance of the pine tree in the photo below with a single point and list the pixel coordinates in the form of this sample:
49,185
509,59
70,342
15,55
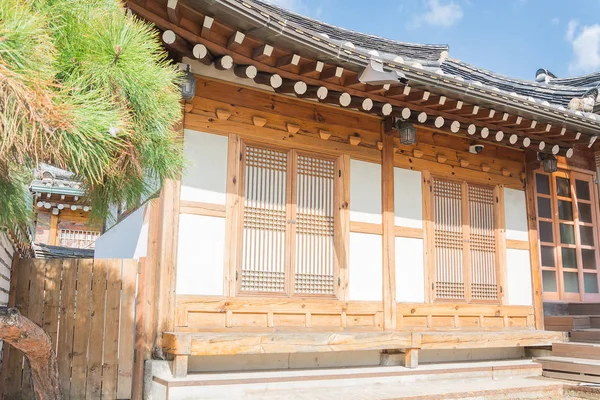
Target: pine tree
89,89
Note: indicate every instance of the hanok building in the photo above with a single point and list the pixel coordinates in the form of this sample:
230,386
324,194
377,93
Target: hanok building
349,193
62,215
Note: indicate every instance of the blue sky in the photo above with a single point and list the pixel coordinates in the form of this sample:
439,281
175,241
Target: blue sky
512,37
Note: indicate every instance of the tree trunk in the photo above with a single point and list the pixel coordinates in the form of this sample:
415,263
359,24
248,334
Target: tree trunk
36,345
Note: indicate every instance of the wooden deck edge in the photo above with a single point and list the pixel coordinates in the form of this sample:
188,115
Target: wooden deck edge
199,343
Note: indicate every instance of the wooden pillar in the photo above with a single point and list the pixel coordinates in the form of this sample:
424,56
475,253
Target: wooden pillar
233,214
534,252
53,229
166,261
389,262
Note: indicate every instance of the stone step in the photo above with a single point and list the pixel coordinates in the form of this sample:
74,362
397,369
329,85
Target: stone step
588,351
585,335
576,369
583,309
567,323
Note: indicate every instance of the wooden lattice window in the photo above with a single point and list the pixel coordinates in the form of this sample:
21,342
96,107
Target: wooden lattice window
465,257
566,209
288,229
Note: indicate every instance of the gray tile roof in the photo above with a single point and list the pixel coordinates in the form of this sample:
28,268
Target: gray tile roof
434,58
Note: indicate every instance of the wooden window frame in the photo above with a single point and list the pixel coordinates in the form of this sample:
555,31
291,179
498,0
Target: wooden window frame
499,233
339,241
560,294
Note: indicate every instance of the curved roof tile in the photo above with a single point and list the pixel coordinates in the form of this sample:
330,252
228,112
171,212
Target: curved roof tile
426,52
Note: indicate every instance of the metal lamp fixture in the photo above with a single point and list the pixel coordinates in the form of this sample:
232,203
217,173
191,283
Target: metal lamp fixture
549,163
188,85
408,133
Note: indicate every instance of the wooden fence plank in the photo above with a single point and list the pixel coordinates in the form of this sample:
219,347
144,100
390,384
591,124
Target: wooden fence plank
51,299
127,329
111,330
13,358
82,329
35,313
67,324
94,364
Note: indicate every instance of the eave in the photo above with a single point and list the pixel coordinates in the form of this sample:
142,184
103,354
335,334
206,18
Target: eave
429,92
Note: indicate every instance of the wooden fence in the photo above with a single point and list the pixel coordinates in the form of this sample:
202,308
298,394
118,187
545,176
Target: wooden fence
88,309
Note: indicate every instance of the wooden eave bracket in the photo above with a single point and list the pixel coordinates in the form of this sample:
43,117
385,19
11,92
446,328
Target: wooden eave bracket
223,114
485,168
324,134
354,139
259,121
292,128
188,107
380,146
464,163
441,158
417,153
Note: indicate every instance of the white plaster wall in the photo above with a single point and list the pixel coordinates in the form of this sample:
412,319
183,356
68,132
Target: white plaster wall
410,270
205,176
127,239
200,255
408,198
7,251
365,267
515,210
365,192
518,277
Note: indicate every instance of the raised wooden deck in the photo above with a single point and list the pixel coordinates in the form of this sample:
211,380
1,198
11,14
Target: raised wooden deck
184,344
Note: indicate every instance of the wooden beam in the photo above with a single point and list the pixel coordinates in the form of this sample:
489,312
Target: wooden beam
418,97
332,74
262,53
293,87
389,237
224,63
265,78
206,27
289,62
245,71
315,92
312,69
338,98
176,43
362,103
201,53
398,92
236,40
173,11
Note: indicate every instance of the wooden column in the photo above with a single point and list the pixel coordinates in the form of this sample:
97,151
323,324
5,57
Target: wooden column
166,266
389,261
342,221
162,258
233,214
534,252
52,238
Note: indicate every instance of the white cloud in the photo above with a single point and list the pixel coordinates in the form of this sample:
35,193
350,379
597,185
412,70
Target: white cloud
586,49
555,21
439,14
571,27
